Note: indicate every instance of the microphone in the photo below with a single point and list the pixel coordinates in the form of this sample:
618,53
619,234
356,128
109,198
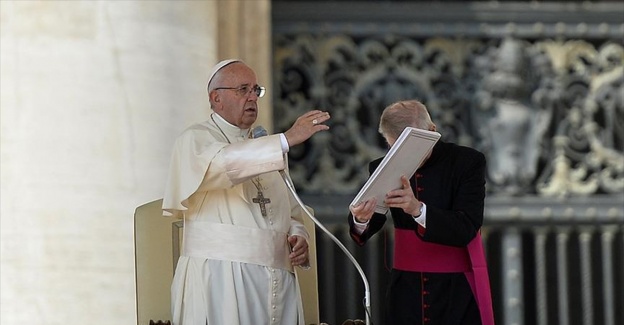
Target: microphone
258,132
367,298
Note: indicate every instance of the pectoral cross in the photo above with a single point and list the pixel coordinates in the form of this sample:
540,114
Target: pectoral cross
262,201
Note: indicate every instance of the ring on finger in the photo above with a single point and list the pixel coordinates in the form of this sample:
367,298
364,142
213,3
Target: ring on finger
314,121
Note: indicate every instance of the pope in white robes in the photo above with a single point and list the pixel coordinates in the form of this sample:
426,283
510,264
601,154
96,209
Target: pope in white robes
243,230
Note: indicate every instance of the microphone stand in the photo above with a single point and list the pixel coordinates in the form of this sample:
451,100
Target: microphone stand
367,305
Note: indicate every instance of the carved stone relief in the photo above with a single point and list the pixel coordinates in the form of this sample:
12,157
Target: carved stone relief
548,113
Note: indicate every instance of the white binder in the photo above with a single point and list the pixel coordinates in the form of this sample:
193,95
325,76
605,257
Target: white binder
404,157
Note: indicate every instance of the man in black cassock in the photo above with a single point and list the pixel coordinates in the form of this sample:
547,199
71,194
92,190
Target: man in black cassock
439,275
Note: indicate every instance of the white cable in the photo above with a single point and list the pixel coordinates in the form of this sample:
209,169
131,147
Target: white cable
367,305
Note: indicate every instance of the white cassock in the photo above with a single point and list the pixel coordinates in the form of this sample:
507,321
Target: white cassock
234,266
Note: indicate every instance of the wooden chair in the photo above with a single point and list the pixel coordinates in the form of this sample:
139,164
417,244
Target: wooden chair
157,242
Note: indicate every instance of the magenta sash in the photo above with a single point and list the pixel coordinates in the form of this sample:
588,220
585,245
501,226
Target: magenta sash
413,254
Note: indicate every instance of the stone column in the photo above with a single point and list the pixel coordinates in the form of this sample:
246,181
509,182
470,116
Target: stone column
93,94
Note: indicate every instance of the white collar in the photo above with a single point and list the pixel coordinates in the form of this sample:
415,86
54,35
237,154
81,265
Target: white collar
229,129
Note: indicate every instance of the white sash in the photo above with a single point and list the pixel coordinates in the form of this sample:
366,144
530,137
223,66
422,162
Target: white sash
238,244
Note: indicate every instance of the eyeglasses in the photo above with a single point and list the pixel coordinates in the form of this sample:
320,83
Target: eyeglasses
246,90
